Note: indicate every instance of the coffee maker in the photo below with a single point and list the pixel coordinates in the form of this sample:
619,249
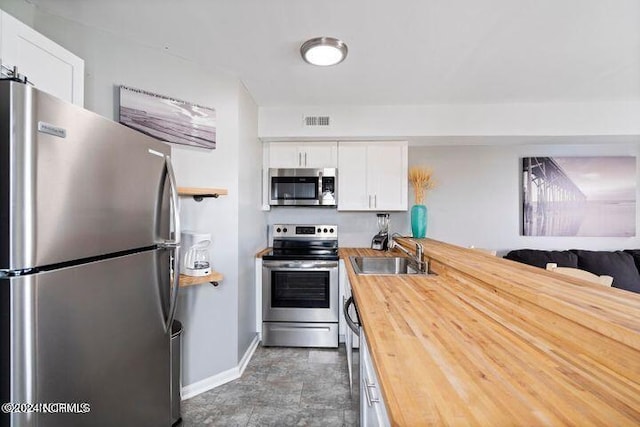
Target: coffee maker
195,255
380,241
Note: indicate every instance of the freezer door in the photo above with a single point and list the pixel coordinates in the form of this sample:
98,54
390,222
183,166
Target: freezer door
74,184
90,334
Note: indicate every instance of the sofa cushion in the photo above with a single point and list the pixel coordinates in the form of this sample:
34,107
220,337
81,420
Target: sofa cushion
540,258
617,264
635,253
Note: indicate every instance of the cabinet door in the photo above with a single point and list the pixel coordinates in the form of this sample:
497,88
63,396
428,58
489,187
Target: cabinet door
47,65
319,155
366,411
284,155
373,411
372,176
387,175
303,155
352,177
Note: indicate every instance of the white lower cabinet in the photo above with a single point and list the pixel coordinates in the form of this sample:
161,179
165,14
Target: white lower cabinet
373,411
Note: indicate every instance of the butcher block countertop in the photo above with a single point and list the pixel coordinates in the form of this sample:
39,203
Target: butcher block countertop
490,342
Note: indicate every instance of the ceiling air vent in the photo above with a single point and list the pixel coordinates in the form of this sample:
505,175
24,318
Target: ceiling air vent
316,121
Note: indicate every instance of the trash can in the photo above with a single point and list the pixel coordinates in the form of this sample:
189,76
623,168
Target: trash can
176,370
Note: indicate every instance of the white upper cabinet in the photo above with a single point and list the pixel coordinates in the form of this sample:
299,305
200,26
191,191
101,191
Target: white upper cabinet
293,155
372,176
352,187
47,65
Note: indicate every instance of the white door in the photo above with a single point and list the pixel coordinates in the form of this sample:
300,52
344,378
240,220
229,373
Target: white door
46,64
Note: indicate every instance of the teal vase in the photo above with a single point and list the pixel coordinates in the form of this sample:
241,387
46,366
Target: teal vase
419,221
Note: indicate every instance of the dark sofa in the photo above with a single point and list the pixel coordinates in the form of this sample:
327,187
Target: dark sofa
623,266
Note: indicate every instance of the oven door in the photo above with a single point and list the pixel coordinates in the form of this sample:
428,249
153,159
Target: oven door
300,291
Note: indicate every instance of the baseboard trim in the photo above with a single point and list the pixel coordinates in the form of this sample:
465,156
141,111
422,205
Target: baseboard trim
248,354
223,377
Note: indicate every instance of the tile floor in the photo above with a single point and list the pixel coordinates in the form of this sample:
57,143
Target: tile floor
282,386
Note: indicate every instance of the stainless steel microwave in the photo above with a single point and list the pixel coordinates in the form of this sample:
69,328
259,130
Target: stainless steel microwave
302,187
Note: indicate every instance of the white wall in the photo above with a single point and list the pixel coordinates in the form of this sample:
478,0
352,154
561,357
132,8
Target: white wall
21,10
476,158
477,200
213,342
475,151
398,121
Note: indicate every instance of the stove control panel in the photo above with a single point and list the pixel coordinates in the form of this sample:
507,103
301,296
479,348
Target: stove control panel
305,231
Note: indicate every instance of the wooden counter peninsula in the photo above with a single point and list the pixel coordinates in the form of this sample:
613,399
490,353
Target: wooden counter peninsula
491,342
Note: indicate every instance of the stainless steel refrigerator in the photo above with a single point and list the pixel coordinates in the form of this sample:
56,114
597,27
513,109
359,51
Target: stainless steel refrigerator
86,252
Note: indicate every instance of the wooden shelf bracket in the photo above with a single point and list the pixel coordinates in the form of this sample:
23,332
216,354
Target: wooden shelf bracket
200,197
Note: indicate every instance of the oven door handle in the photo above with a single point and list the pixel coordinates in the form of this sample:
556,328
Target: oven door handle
306,265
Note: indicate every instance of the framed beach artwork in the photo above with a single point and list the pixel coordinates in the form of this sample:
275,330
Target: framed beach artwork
168,119
579,196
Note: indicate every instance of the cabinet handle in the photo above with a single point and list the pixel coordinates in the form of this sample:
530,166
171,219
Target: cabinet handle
305,159
367,390
299,159
375,201
369,201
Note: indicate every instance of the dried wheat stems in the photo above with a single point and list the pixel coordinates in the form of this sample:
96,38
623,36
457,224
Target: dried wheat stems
421,179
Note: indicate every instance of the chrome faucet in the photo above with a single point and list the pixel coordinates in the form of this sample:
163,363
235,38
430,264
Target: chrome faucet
417,257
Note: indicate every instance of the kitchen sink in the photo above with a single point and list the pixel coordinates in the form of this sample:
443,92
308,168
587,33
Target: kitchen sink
384,265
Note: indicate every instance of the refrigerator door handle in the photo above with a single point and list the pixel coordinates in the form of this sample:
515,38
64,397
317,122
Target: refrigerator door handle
175,207
174,288
173,244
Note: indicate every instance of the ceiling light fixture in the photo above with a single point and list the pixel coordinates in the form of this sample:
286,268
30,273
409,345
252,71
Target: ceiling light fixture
323,51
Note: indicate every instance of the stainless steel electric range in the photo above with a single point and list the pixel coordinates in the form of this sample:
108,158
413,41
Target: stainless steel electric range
300,287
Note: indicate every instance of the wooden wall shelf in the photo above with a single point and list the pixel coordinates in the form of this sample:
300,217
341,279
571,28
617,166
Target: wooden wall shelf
198,193
214,278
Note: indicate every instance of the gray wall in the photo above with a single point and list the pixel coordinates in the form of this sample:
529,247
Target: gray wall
218,322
